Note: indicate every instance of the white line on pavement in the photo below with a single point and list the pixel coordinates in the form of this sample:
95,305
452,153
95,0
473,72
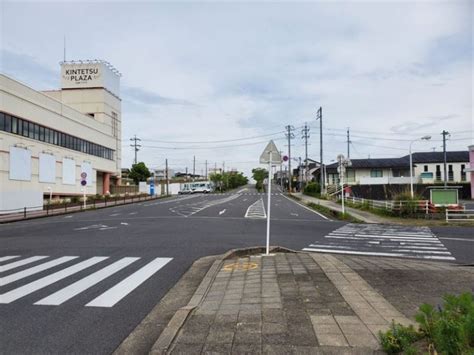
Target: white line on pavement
48,280
35,269
222,212
21,263
435,257
5,258
123,288
70,291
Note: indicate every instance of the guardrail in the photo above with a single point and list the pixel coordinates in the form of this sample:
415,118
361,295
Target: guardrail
459,215
68,207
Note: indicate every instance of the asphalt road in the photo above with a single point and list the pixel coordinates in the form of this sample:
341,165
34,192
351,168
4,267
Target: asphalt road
128,257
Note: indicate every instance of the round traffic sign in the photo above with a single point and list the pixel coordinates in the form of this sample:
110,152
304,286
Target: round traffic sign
285,158
83,175
83,182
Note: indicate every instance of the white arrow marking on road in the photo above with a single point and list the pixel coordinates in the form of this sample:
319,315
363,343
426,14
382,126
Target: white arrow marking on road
222,212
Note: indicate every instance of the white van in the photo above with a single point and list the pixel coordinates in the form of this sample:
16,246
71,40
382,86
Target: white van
194,187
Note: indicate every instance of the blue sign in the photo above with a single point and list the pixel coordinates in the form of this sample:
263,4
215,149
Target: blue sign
152,188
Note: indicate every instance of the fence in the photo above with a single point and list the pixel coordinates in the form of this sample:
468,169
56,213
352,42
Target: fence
68,207
459,215
416,206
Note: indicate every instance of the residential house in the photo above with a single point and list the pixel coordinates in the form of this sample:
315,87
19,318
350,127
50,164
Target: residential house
428,168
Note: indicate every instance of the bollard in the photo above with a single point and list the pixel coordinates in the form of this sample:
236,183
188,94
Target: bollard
24,212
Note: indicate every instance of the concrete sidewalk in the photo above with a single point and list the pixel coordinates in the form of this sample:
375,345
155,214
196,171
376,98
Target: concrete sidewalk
365,216
294,303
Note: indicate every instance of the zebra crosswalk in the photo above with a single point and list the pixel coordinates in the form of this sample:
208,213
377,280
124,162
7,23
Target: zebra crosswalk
383,240
108,298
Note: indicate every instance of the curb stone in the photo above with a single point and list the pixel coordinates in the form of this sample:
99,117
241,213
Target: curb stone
167,336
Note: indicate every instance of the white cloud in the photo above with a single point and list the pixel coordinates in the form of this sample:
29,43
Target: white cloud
211,71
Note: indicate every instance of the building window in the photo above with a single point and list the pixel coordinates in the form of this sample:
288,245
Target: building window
350,175
438,172
463,172
400,173
376,173
15,125
425,168
450,173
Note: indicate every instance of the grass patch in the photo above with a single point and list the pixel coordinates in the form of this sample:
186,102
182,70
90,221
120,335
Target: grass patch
328,212
447,330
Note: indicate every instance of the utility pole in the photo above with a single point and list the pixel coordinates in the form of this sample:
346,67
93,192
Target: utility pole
281,172
348,144
167,181
445,133
290,136
194,167
305,136
206,171
135,146
319,116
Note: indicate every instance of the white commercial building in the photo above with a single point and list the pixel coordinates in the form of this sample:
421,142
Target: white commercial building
53,141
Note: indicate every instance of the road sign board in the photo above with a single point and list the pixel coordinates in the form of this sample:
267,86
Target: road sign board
285,158
83,182
83,175
275,154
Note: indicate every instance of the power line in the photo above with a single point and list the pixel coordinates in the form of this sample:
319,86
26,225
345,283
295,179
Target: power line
214,147
210,142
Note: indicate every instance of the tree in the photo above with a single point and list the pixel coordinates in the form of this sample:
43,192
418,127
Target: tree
139,172
216,179
259,174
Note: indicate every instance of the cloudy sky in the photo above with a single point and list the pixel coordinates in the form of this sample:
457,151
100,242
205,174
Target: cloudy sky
222,78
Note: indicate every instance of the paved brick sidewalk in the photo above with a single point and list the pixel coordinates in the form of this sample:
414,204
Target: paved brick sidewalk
311,303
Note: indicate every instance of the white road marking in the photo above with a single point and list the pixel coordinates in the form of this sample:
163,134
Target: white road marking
5,258
70,291
460,239
22,291
21,263
256,210
70,216
378,254
383,240
132,213
306,207
123,288
124,223
35,269
94,226
222,212
114,214
294,214
107,228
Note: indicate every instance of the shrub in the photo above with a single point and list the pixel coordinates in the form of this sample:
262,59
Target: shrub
398,338
449,329
312,189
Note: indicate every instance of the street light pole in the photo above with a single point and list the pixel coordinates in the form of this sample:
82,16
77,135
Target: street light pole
411,162
320,118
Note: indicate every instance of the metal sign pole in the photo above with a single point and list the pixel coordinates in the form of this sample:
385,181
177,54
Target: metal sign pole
84,197
269,193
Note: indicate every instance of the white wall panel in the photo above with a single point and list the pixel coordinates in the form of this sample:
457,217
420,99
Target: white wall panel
47,168
20,164
69,171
